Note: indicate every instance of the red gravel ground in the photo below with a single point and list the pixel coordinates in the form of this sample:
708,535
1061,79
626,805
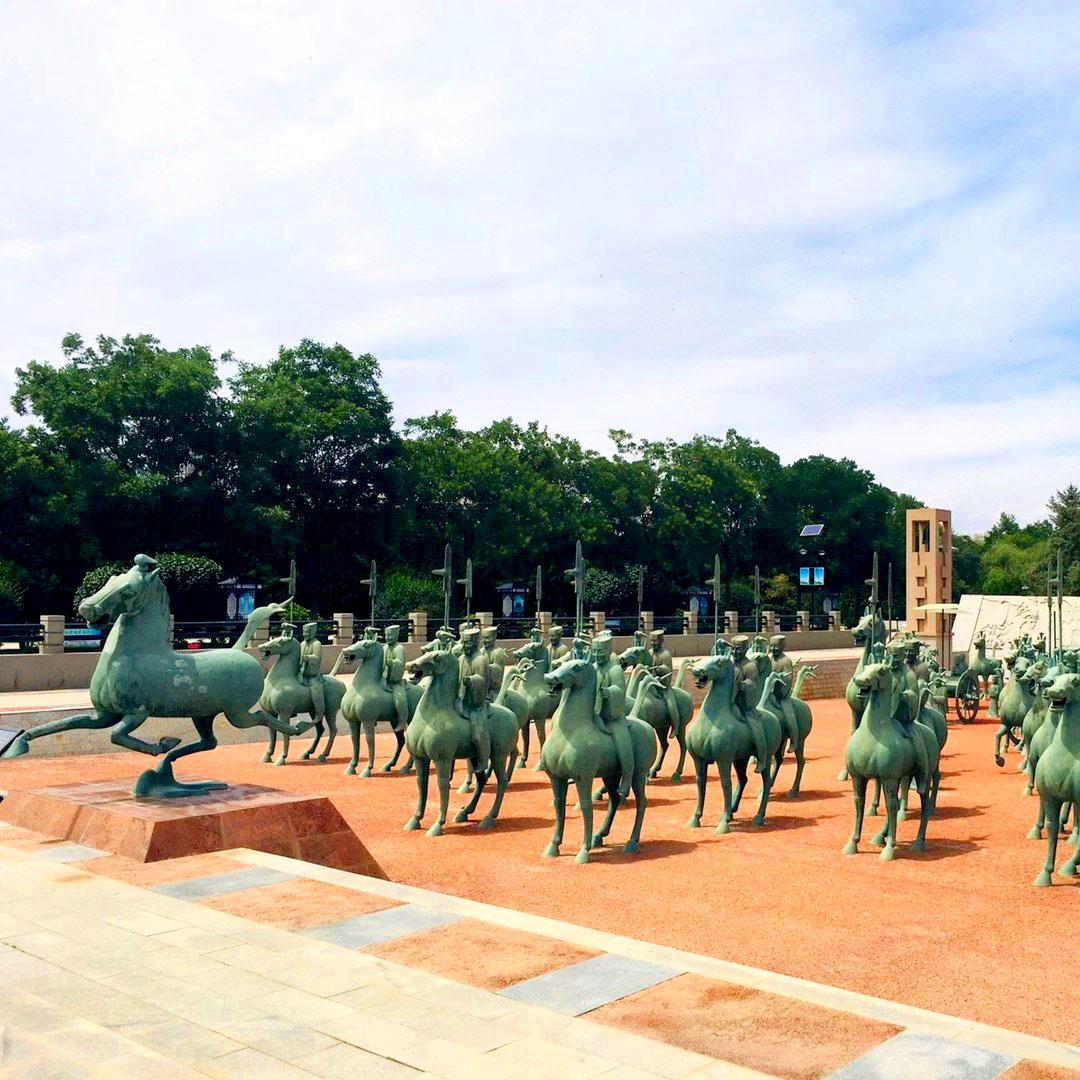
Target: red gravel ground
959,929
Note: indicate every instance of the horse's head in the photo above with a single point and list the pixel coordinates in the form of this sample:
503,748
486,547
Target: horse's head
570,673
532,650
635,654
869,624
873,677
283,643
979,640
434,662
1064,691
1029,672
124,594
711,668
359,651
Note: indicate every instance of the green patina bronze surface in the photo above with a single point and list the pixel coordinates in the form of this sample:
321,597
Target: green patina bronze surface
880,750
377,693
527,678
287,692
140,675
722,734
1057,773
444,729
580,748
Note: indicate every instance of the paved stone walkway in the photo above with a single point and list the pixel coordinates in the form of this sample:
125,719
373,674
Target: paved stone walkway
253,965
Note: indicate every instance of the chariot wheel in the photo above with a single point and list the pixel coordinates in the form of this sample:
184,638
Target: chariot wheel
967,697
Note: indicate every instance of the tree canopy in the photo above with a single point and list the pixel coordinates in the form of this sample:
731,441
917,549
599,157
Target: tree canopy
131,446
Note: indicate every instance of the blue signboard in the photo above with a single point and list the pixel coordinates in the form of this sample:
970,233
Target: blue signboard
804,575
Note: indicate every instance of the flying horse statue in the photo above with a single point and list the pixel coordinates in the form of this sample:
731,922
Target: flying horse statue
139,675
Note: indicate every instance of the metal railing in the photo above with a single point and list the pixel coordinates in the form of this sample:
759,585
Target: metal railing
223,634
24,636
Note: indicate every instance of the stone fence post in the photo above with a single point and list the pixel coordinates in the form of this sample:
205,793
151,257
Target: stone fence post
834,620
731,622
346,627
803,618
768,624
485,618
646,621
418,621
52,634
691,618
543,620
258,638
597,619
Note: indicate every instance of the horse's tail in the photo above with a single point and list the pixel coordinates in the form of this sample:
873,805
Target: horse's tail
676,683
508,675
256,620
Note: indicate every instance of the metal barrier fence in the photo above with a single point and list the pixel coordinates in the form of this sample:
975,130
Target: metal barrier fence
24,636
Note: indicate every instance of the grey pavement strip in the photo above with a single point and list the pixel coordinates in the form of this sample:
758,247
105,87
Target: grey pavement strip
928,1057
379,926
218,884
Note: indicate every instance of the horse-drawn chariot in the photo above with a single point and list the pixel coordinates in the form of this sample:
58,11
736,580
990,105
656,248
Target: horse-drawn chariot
961,686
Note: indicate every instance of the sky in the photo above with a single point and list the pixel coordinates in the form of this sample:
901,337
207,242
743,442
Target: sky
850,229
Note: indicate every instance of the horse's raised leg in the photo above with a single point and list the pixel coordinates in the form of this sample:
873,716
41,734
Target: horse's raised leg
399,738
1040,820
584,789
680,738
778,757
465,811
444,772
92,721
723,825
766,791
423,767
407,767
541,735
369,736
701,773
662,735
559,788
800,764
1052,812
331,734
502,776
319,731
286,719
631,846
1029,786
160,781
611,785
121,736
271,745
467,786
858,786
740,783
843,775
892,806
1002,732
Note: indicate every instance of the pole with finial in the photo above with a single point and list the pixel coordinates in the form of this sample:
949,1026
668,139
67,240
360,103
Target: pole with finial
372,583
467,581
576,574
539,591
447,576
717,596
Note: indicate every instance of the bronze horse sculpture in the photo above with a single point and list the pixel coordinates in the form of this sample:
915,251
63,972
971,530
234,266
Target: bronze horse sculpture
139,675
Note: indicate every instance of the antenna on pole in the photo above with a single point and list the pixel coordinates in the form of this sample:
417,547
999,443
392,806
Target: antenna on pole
717,595
467,582
875,601
291,582
539,591
447,576
372,582
576,574
640,593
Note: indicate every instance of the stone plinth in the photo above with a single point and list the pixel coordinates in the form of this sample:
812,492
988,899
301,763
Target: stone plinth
107,816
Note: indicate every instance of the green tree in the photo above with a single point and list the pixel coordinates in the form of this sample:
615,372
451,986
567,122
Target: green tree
315,454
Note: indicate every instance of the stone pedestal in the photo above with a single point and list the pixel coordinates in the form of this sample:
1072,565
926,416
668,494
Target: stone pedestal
543,620
597,620
731,622
346,628
52,634
834,620
485,618
691,622
107,816
768,622
418,623
646,621
804,619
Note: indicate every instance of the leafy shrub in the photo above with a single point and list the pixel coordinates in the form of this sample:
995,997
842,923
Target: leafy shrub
402,591
180,573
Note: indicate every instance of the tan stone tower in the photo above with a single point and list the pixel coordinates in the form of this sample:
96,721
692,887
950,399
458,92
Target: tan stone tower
929,574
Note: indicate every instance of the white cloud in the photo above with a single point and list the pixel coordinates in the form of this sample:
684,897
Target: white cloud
835,229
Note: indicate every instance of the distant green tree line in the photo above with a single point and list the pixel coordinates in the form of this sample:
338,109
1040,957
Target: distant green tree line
131,446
